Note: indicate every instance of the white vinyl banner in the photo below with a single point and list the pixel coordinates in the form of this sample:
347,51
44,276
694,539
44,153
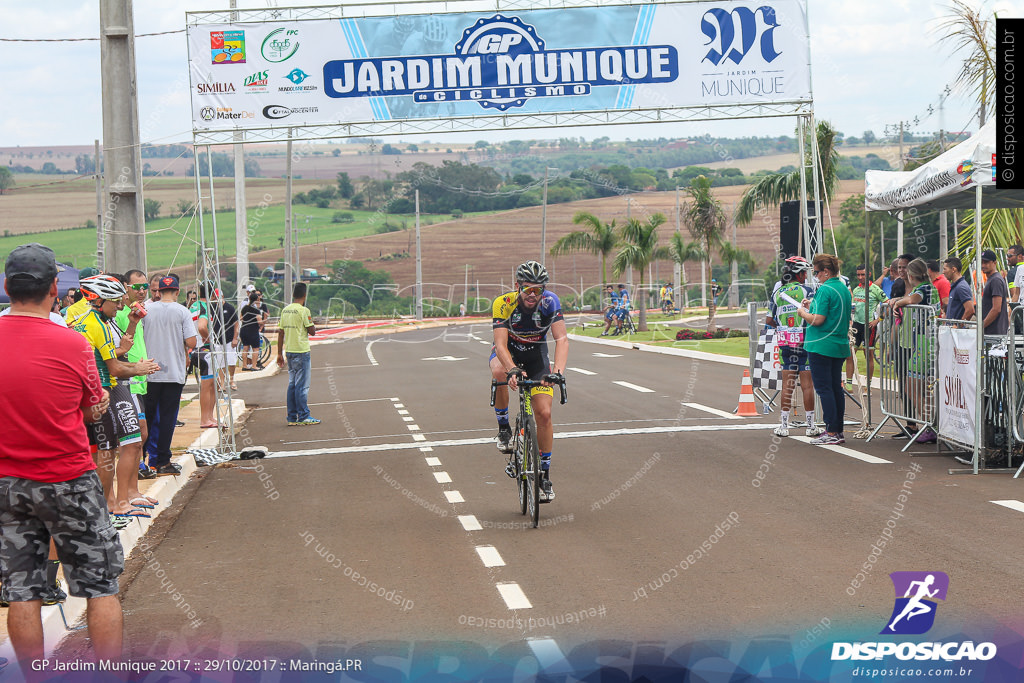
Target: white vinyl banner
957,384
337,71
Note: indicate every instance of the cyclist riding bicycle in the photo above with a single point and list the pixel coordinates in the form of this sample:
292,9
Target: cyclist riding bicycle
521,322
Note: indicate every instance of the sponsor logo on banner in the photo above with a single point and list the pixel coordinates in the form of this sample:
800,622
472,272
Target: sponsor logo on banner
275,111
500,62
297,76
280,44
257,82
227,47
215,88
224,113
913,613
741,36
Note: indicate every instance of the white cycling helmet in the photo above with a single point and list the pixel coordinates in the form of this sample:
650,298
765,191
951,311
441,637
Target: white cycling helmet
798,264
532,272
105,287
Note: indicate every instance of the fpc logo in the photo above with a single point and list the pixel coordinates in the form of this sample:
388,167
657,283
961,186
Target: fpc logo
916,595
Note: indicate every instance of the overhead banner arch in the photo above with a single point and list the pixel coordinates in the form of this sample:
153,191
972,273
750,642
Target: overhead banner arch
354,70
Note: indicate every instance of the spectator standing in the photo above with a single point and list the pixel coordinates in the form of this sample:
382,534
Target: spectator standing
138,295
866,301
827,341
46,469
961,299
940,283
994,297
293,334
915,341
249,332
171,335
224,325
1014,274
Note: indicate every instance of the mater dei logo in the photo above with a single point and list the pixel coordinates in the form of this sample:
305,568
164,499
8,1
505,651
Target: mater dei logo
735,40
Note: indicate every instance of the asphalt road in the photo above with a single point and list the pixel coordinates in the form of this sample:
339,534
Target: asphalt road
673,524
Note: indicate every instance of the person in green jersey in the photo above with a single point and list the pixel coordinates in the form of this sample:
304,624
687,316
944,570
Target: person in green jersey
789,335
294,330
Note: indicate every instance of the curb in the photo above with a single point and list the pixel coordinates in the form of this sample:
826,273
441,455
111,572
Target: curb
165,488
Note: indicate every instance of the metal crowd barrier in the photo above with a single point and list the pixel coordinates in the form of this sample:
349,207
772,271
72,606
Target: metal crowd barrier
907,347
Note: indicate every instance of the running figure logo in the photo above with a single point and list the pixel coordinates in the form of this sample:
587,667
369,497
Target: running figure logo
916,595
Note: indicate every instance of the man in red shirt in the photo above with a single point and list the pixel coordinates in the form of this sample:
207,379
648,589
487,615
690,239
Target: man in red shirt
940,283
48,483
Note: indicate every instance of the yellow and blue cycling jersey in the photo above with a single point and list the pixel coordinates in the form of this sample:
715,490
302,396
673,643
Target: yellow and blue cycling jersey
526,328
91,325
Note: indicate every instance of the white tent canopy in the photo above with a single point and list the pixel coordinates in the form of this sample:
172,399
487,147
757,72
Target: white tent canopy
941,183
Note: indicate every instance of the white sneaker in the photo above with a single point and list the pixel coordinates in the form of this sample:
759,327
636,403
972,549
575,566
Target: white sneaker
781,430
814,431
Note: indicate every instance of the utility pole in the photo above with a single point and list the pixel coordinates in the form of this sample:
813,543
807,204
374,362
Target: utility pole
419,263
241,224
289,273
99,206
544,219
122,156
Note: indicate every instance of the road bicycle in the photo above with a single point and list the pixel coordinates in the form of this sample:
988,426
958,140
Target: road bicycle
524,462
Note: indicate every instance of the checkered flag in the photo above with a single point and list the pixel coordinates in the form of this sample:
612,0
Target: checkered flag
209,456
767,372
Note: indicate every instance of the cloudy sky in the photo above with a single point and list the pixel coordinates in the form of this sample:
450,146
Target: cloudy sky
874,63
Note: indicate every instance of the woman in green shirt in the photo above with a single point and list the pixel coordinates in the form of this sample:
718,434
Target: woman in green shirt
827,341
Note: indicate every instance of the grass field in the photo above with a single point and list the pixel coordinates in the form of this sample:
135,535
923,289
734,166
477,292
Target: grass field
172,241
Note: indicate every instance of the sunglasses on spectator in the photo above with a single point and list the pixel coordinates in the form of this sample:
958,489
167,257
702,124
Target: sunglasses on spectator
536,291
141,287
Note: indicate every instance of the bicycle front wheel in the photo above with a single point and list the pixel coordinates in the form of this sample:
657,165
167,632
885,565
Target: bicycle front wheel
518,458
533,473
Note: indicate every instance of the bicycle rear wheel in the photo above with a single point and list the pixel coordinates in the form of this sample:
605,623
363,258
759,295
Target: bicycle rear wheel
518,460
265,349
533,473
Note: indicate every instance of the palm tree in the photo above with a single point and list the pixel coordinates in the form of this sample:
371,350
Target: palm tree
705,219
640,249
682,252
600,238
775,188
967,30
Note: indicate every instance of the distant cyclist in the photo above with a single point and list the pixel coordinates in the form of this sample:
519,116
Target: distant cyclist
611,306
521,322
623,310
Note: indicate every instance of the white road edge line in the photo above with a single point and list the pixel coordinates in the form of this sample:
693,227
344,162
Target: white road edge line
1012,504
490,556
848,452
369,352
713,411
514,596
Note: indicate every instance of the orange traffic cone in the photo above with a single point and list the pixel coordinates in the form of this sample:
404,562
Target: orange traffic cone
747,407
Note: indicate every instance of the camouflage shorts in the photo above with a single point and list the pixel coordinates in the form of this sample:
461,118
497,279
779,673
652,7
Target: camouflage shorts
74,514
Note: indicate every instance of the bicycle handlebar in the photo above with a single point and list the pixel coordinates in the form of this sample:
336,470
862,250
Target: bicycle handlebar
524,383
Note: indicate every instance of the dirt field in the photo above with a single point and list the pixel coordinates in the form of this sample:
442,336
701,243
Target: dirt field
492,245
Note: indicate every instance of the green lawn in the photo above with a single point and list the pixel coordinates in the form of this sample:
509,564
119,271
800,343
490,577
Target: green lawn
173,241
